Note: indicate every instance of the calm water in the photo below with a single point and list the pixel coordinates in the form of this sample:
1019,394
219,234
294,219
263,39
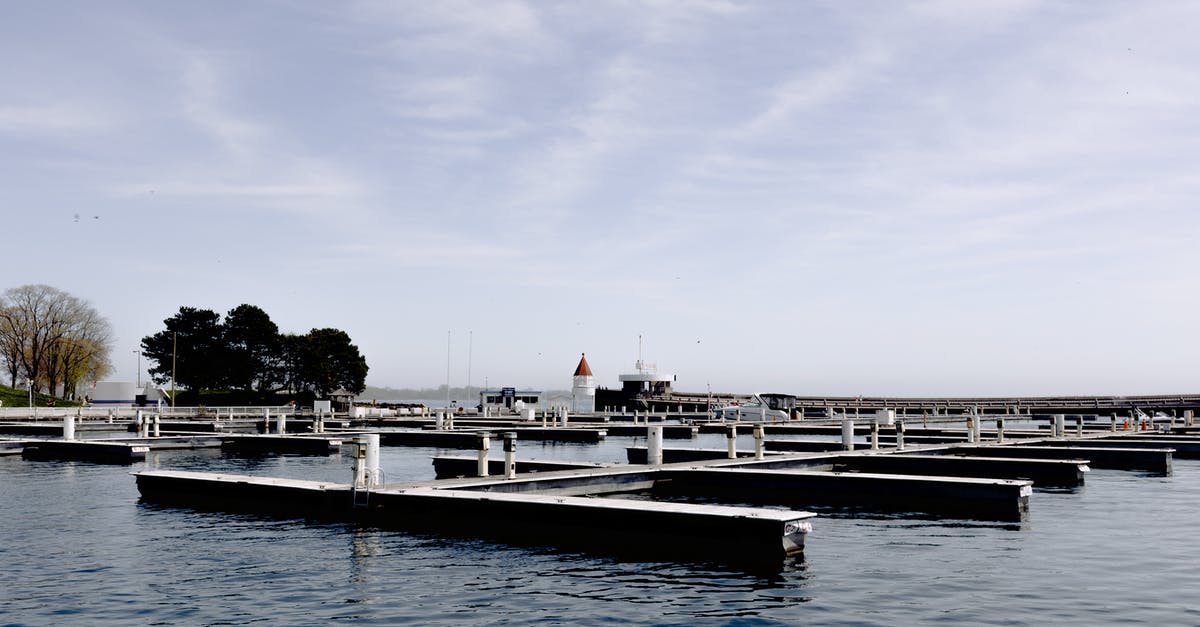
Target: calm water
76,547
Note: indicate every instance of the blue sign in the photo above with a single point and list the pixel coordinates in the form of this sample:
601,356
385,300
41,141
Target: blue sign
508,392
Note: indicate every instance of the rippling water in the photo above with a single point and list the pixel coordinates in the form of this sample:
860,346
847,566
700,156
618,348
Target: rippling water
77,547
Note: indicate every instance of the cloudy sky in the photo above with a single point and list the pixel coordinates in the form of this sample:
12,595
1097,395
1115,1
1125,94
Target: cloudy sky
808,197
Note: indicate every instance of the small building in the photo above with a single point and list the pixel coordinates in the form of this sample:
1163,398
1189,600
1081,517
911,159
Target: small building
646,381
125,394
583,388
510,399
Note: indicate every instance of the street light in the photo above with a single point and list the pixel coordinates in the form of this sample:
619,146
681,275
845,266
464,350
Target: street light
139,368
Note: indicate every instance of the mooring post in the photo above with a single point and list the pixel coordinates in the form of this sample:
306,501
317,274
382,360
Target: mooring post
875,435
1079,426
69,427
1059,425
510,454
1188,415
371,442
1113,422
759,449
899,434
565,416
1000,429
360,463
654,445
157,425
484,441
971,430
141,427
731,440
847,434
110,416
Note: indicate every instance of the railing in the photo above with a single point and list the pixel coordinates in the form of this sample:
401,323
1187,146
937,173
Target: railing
128,412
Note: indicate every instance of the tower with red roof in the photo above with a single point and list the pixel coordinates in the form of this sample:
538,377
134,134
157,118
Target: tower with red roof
583,388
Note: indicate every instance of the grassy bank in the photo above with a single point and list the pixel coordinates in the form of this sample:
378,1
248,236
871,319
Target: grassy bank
17,397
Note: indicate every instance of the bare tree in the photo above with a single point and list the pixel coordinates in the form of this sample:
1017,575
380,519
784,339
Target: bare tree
52,337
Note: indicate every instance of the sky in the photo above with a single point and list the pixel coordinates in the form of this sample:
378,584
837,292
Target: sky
816,198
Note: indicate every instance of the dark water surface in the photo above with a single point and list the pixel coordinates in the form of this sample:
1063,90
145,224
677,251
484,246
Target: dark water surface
76,547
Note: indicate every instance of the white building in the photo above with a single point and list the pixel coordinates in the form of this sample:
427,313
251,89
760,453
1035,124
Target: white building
583,388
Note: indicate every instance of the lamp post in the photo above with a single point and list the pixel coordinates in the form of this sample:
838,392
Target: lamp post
174,346
139,368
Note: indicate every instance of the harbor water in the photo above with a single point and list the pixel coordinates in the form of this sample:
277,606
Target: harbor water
79,548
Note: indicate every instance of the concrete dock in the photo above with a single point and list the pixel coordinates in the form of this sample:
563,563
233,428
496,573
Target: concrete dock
623,526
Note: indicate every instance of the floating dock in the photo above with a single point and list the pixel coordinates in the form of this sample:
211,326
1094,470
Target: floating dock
84,450
607,524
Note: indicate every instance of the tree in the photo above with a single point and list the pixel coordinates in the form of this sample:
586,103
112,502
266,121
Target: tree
51,337
191,349
254,350
327,361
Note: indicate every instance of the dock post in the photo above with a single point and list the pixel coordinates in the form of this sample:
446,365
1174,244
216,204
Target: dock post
1188,415
874,435
510,455
371,442
1059,425
360,463
141,428
758,442
69,427
439,420
731,440
157,425
565,416
545,413
484,444
1113,425
847,434
1000,430
654,445
110,416
1079,426
899,435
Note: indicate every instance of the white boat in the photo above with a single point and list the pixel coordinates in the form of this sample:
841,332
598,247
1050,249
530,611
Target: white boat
756,409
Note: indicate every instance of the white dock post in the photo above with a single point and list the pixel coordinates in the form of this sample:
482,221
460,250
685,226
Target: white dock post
1000,430
157,425
439,420
1079,426
510,455
1188,416
484,443
1113,425
847,434
372,471
544,415
565,416
110,416
654,445
759,449
899,435
1059,425
360,463
69,427
874,435
731,440
141,427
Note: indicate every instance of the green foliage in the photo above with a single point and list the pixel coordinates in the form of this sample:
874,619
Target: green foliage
247,353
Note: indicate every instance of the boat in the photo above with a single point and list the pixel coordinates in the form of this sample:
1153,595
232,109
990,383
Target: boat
755,409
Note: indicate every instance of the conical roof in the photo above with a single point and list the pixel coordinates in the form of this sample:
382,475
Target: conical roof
583,370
